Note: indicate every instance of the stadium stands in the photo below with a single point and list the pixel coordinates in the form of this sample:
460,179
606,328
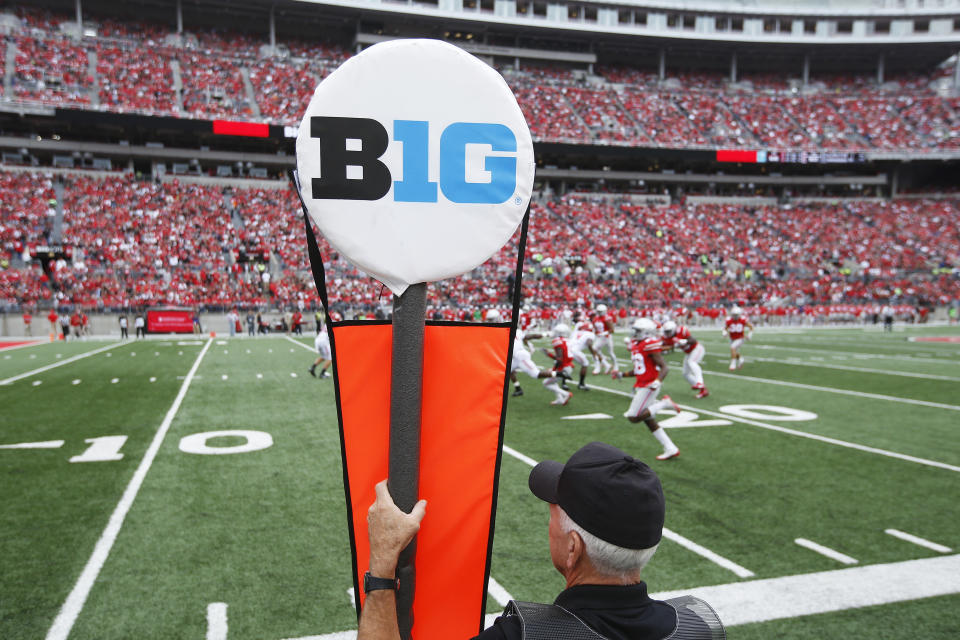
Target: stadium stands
616,105
139,242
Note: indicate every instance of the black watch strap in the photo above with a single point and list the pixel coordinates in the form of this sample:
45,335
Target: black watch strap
373,583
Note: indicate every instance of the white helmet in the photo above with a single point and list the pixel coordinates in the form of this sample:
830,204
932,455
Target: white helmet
644,328
493,315
561,330
736,312
669,328
601,308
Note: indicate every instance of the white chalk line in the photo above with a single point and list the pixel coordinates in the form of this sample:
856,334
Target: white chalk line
48,444
78,595
840,367
803,434
917,540
833,554
48,367
883,356
843,392
498,593
807,594
667,533
217,621
300,344
823,592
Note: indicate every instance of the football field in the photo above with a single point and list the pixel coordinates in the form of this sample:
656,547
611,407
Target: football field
191,488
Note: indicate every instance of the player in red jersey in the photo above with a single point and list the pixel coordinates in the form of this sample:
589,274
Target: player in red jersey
736,329
679,337
563,361
650,369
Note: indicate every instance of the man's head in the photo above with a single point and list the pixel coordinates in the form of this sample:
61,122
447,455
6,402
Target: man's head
605,505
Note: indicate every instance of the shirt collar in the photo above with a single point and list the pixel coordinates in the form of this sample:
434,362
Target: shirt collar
603,596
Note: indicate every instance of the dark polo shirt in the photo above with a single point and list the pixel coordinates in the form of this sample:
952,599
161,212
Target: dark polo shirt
615,612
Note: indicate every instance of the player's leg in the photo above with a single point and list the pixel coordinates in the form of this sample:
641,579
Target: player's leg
639,412
561,397
579,357
691,366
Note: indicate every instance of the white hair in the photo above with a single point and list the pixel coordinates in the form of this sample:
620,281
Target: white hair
607,558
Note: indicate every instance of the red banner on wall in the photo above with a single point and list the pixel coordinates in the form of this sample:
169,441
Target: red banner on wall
170,321
463,391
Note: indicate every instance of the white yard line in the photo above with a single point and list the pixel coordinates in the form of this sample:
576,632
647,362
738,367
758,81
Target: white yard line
217,621
857,353
801,434
807,594
886,372
833,554
843,392
917,540
667,533
300,344
81,356
706,553
48,444
498,593
802,595
78,595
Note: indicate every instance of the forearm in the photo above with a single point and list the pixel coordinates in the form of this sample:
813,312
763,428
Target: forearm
378,620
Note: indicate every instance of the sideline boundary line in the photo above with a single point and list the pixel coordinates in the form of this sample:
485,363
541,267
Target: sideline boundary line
79,356
299,344
26,343
802,434
63,623
843,392
686,543
824,365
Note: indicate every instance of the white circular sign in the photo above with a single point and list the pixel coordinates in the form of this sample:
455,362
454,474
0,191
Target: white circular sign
768,412
415,161
198,442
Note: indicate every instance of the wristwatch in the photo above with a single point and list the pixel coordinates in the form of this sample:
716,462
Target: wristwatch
373,583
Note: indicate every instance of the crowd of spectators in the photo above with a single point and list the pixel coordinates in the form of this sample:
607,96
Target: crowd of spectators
613,105
137,242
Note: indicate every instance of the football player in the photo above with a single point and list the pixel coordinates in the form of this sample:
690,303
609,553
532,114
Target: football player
581,343
563,361
650,369
736,328
603,326
322,345
679,337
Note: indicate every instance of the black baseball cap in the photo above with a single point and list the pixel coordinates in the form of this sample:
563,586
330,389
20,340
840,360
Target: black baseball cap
607,492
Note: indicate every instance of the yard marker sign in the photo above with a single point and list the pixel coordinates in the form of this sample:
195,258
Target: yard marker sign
416,164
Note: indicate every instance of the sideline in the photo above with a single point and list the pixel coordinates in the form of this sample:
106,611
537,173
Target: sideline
810,593
78,595
300,344
801,434
81,356
13,346
886,372
843,392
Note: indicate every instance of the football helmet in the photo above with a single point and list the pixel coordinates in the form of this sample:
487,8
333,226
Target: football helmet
644,328
601,309
561,330
669,328
736,312
493,315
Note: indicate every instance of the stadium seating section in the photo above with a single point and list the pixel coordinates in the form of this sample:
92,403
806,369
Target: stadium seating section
136,67
141,242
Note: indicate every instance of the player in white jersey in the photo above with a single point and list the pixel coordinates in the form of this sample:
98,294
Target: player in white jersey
581,344
324,357
523,361
603,326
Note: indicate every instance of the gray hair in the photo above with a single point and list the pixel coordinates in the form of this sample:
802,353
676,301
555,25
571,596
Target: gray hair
607,558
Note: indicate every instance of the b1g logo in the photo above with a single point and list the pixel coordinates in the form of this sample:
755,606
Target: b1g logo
360,142
415,161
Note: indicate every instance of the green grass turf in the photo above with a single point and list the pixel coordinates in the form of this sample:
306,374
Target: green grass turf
265,531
